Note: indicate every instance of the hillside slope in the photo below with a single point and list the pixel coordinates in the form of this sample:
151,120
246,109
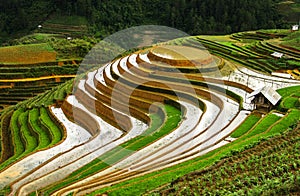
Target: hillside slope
149,117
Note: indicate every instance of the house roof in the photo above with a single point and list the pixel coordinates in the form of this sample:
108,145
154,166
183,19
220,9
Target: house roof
268,92
277,54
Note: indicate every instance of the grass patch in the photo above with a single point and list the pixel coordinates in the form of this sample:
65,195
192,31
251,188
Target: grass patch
290,97
44,139
289,121
285,92
290,102
16,135
293,63
30,139
263,125
50,125
292,40
245,126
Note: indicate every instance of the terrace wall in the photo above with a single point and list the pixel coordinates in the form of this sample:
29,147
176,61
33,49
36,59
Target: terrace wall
79,116
113,117
180,63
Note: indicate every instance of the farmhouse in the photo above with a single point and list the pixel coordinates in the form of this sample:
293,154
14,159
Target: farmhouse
264,98
277,55
295,27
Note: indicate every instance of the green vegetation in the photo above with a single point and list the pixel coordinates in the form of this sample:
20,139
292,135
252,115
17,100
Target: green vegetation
245,126
75,48
154,180
35,38
275,31
290,102
290,98
18,138
290,10
30,140
43,137
5,191
286,92
289,121
293,40
18,143
67,20
31,126
272,168
292,63
32,130
255,54
47,122
104,18
263,125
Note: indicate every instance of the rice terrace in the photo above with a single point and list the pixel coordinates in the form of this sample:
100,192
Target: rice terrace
149,111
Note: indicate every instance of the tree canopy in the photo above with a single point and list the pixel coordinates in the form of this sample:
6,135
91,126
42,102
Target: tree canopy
108,16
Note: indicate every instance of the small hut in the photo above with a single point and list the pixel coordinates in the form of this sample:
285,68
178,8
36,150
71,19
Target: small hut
277,55
295,27
264,98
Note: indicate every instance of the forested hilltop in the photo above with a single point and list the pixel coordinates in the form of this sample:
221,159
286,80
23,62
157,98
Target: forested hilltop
108,16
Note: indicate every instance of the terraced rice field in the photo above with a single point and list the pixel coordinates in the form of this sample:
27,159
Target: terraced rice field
74,26
27,54
145,119
22,80
246,172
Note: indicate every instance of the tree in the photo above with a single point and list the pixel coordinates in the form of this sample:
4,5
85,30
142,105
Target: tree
193,16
